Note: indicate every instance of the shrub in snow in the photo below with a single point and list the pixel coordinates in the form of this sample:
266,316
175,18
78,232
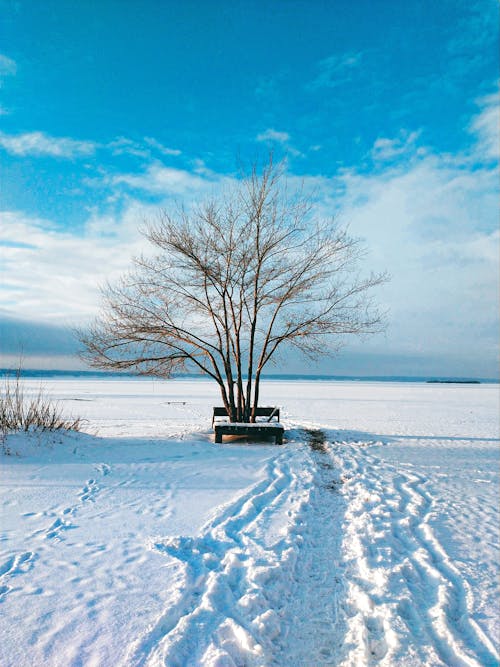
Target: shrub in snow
37,412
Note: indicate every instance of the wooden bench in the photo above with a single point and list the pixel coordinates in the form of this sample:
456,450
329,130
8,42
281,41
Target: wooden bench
265,411
260,429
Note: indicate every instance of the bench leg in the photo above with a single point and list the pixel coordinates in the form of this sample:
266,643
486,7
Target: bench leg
218,437
279,439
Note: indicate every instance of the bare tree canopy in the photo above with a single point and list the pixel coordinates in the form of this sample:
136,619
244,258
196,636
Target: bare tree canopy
233,282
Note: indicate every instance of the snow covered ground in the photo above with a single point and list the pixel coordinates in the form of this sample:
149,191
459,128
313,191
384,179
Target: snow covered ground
369,538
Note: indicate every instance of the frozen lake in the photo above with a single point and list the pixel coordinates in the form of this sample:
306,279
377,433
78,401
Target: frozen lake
369,538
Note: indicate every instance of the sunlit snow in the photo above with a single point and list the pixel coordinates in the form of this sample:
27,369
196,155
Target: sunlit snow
369,538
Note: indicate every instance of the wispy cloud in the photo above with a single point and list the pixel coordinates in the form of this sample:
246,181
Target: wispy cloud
385,149
40,144
161,148
431,221
56,277
8,67
335,70
125,146
161,180
273,136
473,38
486,127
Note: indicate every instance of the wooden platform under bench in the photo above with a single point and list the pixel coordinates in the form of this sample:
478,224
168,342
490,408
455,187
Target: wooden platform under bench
274,429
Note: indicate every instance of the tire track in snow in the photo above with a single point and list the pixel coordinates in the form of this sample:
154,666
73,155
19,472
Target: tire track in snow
225,608
402,578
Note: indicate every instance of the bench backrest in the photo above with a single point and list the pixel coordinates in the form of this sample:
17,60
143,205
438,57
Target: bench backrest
264,411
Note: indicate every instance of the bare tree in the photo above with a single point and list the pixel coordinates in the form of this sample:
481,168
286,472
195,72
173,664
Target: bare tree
233,282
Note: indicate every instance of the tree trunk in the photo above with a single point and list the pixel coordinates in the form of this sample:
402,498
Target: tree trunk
255,396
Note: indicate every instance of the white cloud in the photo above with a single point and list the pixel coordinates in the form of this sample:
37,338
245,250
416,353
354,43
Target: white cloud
271,135
161,180
486,126
41,144
55,277
430,221
385,149
124,146
335,70
160,147
433,226
7,66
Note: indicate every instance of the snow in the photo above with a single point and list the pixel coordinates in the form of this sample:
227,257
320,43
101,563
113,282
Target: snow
260,425
369,538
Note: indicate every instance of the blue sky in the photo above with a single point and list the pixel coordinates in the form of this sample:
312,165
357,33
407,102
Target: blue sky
388,110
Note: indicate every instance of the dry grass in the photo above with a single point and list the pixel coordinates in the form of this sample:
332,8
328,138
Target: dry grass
34,412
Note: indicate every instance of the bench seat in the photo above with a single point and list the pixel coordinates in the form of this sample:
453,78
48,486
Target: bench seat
274,429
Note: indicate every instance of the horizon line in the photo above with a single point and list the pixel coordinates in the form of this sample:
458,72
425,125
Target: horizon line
277,376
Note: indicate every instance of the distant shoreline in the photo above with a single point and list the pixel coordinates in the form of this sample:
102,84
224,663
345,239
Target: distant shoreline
102,375
453,381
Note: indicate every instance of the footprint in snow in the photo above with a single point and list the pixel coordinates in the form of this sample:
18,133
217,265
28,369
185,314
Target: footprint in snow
58,526
89,491
14,566
103,468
